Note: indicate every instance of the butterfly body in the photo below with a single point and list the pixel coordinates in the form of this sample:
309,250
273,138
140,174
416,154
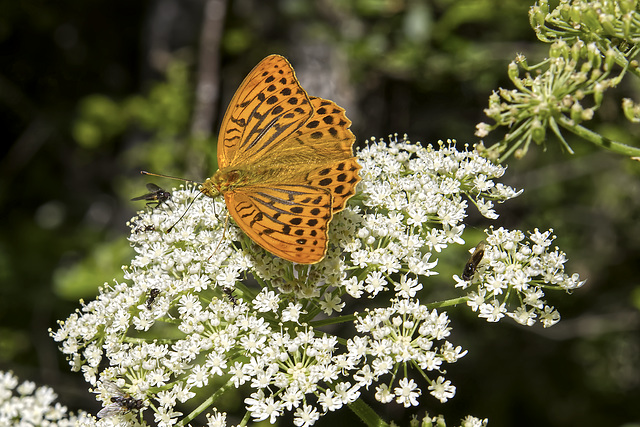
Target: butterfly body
286,163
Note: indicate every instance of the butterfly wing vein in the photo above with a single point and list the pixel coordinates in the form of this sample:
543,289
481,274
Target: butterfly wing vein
289,220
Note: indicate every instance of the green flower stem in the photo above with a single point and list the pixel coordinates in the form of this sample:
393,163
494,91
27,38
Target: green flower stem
599,140
245,419
366,414
448,303
206,404
333,320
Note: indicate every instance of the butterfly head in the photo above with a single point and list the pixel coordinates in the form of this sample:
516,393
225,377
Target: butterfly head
224,180
210,188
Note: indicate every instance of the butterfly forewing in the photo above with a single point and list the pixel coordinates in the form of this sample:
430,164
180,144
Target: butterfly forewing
288,220
267,108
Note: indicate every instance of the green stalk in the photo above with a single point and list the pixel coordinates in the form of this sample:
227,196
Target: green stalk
204,405
597,139
366,414
448,303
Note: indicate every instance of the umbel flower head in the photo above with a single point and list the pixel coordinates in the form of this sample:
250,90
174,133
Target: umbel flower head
189,323
26,404
515,273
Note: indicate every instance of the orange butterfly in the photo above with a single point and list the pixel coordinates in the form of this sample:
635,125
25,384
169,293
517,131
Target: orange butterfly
285,163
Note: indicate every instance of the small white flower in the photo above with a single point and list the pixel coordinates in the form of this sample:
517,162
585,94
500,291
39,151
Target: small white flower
492,311
375,283
523,316
407,393
166,417
442,389
216,419
199,376
383,394
470,421
331,303
549,317
329,401
408,287
305,416
266,301
292,312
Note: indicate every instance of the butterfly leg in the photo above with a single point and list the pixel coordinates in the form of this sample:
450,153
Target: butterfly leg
224,233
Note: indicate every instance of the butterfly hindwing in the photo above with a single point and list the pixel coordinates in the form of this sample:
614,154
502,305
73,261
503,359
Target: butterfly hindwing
339,178
327,131
289,220
328,134
268,107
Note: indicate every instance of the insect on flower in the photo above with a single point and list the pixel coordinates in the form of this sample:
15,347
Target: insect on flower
121,402
141,229
153,294
155,194
229,293
474,260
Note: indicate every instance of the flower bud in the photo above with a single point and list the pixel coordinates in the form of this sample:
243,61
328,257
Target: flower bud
558,49
520,153
609,59
505,94
576,112
536,17
598,90
631,110
607,24
627,6
513,70
590,19
538,131
627,20
575,13
577,50
564,10
593,55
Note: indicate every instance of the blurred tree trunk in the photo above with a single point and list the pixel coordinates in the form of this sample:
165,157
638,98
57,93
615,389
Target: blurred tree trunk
208,87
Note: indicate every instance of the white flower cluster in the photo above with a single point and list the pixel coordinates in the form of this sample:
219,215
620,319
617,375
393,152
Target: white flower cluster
188,314
27,405
404,334
413,207
512,277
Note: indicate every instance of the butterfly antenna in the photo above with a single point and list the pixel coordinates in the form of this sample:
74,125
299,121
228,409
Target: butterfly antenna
179,179
183,213
168,176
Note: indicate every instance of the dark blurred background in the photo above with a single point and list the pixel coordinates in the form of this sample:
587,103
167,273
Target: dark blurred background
92,92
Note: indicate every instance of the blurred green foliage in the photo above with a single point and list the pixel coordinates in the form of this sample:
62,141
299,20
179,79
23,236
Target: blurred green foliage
85,104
